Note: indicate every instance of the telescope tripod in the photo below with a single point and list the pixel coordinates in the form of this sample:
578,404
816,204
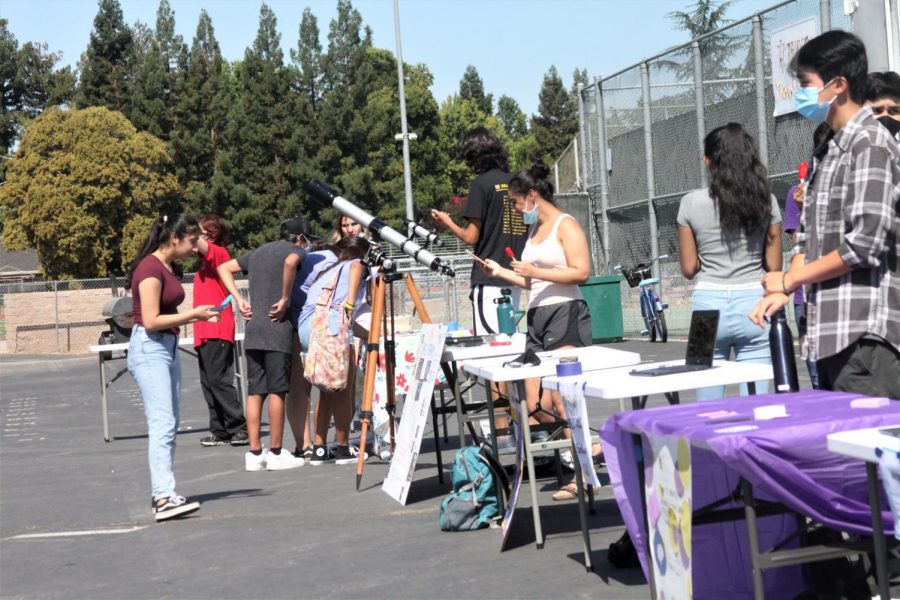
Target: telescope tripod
383,319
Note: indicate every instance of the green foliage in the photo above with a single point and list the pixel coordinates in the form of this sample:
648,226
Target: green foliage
557,120
472,88
158,81
104,65
201,116
514,121
77,178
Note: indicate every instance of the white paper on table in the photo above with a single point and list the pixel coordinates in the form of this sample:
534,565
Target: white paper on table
571,390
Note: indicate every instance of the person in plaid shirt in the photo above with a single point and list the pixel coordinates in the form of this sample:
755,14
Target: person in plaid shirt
846,250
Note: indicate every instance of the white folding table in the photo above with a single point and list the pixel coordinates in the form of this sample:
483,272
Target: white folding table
862,445
617,384
494,370
105,353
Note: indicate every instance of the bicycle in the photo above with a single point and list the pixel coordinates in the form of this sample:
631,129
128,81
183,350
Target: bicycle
652,307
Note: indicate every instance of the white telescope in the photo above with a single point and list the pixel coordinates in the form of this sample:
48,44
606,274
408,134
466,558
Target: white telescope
380,229
430,237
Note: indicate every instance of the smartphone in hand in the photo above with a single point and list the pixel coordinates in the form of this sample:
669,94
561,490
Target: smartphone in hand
225,304
476,258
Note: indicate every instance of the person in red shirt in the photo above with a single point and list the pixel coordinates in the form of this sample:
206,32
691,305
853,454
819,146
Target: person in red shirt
214,341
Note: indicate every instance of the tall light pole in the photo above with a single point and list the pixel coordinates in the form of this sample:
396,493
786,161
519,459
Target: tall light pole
404,134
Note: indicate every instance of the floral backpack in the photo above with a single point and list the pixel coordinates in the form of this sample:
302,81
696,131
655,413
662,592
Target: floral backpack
328,357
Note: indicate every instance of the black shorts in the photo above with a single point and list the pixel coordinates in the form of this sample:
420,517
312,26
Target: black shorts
558,325
268,372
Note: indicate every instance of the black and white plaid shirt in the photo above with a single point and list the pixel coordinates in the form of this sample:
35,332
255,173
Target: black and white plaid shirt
852,206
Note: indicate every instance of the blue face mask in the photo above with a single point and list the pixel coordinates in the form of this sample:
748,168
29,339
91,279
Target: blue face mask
808,105
529,217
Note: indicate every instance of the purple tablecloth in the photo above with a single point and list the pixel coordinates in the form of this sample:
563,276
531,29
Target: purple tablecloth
785,460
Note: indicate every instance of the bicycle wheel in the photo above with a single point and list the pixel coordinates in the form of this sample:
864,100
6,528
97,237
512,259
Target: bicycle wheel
651,327
659,328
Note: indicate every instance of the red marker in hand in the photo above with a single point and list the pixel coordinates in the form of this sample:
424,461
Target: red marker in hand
803,170
510,253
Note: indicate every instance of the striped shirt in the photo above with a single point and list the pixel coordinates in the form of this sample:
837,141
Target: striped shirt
851,206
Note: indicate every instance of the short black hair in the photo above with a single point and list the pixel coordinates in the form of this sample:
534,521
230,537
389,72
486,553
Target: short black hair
832,54
883,85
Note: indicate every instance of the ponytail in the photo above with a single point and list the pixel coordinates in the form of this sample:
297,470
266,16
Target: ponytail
160,233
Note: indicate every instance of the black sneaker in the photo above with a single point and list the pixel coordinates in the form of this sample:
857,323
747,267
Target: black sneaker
345,455
240,439
174,506
213,440
320,455
306,453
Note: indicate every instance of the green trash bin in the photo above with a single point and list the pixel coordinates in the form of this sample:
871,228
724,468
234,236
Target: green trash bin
604,302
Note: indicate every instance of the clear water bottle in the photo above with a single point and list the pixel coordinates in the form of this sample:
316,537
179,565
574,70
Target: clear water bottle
781,345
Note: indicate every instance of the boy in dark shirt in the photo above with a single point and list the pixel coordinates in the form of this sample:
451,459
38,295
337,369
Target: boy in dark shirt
493,223
268,342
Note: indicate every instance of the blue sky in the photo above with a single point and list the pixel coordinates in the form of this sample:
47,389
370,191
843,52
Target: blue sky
512,43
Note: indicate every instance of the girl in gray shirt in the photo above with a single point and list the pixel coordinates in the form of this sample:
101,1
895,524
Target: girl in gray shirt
729,236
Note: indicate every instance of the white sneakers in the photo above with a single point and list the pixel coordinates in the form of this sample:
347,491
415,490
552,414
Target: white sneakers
272,462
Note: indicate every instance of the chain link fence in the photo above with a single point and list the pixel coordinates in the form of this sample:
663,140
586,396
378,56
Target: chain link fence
642,131
65,317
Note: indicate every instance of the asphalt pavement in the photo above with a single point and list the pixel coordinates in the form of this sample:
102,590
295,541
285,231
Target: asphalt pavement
75,518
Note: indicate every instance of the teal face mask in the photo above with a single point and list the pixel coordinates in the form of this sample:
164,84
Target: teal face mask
808,105
529,217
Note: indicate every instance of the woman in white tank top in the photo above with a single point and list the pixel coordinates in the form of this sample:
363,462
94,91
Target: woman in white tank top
555,261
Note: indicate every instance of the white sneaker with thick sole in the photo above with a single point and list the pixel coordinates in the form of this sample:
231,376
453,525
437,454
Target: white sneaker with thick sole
252,462
284,460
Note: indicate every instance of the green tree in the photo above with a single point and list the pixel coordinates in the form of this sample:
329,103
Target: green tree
726,55
104,65
158,83
457,116
514,121
259,125
78,178
471,87
346,47
308,59
556,122
10,91
201,117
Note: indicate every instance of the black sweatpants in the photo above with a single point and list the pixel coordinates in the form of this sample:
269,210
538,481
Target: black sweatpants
868,366
226,415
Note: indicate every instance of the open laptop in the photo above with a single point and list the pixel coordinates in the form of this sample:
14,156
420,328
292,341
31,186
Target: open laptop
700,349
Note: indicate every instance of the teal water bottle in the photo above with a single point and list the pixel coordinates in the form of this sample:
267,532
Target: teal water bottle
506,314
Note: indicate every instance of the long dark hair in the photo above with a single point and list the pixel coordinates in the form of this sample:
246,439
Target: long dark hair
350,248
482,151
739,184
182,225
535,179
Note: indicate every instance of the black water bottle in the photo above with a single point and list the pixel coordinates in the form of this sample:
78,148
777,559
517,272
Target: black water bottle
781,345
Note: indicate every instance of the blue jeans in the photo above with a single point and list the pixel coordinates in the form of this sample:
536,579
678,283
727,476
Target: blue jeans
154,363
736,332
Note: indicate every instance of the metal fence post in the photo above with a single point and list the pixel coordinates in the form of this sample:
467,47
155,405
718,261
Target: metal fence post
556,175
56,313
825,15
582,126
577,170
701,109
762,123
604,172
648,151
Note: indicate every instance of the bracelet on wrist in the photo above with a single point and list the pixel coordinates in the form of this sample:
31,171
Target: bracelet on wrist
348,306
784,286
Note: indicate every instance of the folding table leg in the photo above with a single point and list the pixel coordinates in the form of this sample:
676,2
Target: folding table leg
753,537
525,428
881,572
582,512
435,426
103,399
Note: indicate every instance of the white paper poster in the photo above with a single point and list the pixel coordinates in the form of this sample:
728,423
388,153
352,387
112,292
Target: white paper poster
783,44
667,488
571,391
415,411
